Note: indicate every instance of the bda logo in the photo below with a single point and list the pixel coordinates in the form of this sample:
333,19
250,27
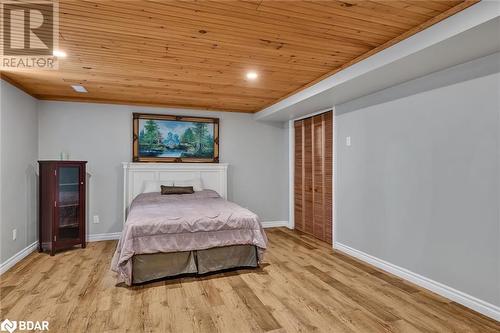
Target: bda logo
24,325
8,325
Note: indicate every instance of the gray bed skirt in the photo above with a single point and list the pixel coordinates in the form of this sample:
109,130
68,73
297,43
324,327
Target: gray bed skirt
148,267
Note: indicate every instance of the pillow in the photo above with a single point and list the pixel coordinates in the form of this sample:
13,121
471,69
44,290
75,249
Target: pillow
154,185
195,183
176,189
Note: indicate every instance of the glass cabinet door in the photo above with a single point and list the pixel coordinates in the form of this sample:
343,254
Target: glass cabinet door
68,205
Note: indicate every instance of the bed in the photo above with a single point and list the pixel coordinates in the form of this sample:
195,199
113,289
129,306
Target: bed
170,235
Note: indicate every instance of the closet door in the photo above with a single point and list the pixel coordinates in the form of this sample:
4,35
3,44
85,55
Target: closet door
313,176
308,177
299,175
318,177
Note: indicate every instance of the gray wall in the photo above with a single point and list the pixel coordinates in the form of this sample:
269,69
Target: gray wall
102,134
18,181
419,186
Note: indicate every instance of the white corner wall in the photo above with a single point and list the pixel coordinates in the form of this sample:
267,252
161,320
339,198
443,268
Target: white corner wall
18,179
418,189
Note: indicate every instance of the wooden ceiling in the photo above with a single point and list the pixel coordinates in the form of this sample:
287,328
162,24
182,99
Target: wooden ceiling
196,54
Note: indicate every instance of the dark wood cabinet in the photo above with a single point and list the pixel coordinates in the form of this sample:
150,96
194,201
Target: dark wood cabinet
62,193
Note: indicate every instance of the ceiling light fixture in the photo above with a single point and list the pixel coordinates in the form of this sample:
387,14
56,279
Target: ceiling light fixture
78,88
252,75
59,54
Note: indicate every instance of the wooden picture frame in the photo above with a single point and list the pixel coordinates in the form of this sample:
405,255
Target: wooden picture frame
174,139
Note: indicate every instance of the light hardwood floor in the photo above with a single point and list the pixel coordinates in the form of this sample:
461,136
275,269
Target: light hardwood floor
302,286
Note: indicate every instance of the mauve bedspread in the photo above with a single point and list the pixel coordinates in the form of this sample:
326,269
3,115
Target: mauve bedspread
172,223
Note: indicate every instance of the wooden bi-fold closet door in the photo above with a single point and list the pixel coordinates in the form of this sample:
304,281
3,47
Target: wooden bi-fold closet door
313,175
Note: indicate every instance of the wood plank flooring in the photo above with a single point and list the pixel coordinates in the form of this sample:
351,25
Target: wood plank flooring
303,286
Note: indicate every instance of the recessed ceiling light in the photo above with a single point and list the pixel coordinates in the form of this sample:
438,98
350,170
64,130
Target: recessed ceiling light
252,75
59,54
78,88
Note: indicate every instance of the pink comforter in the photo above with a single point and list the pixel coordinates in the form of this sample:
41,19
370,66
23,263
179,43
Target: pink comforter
172,223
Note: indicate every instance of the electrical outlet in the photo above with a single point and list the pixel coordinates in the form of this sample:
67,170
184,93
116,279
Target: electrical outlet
14,234
96,219
348,141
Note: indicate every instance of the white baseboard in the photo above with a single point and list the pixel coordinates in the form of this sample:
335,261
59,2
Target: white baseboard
5,266
102,237
274,224
467,300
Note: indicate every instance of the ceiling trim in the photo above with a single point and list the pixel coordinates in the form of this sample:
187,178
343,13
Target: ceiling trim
16,84
72,99
464,20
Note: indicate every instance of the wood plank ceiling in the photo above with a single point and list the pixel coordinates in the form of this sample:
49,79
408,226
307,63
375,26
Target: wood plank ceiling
196,54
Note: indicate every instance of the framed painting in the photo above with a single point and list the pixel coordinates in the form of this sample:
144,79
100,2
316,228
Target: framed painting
175,139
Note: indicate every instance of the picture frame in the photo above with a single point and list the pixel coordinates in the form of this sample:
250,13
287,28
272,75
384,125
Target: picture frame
174,139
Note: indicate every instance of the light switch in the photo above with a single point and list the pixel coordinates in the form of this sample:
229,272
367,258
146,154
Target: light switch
348,141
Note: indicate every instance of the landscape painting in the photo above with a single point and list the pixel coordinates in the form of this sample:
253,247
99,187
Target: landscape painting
163,138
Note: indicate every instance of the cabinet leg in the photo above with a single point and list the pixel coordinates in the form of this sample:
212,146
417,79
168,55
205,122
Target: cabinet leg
52,252
84,245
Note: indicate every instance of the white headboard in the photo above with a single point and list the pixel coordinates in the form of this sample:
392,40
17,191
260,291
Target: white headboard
213,177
